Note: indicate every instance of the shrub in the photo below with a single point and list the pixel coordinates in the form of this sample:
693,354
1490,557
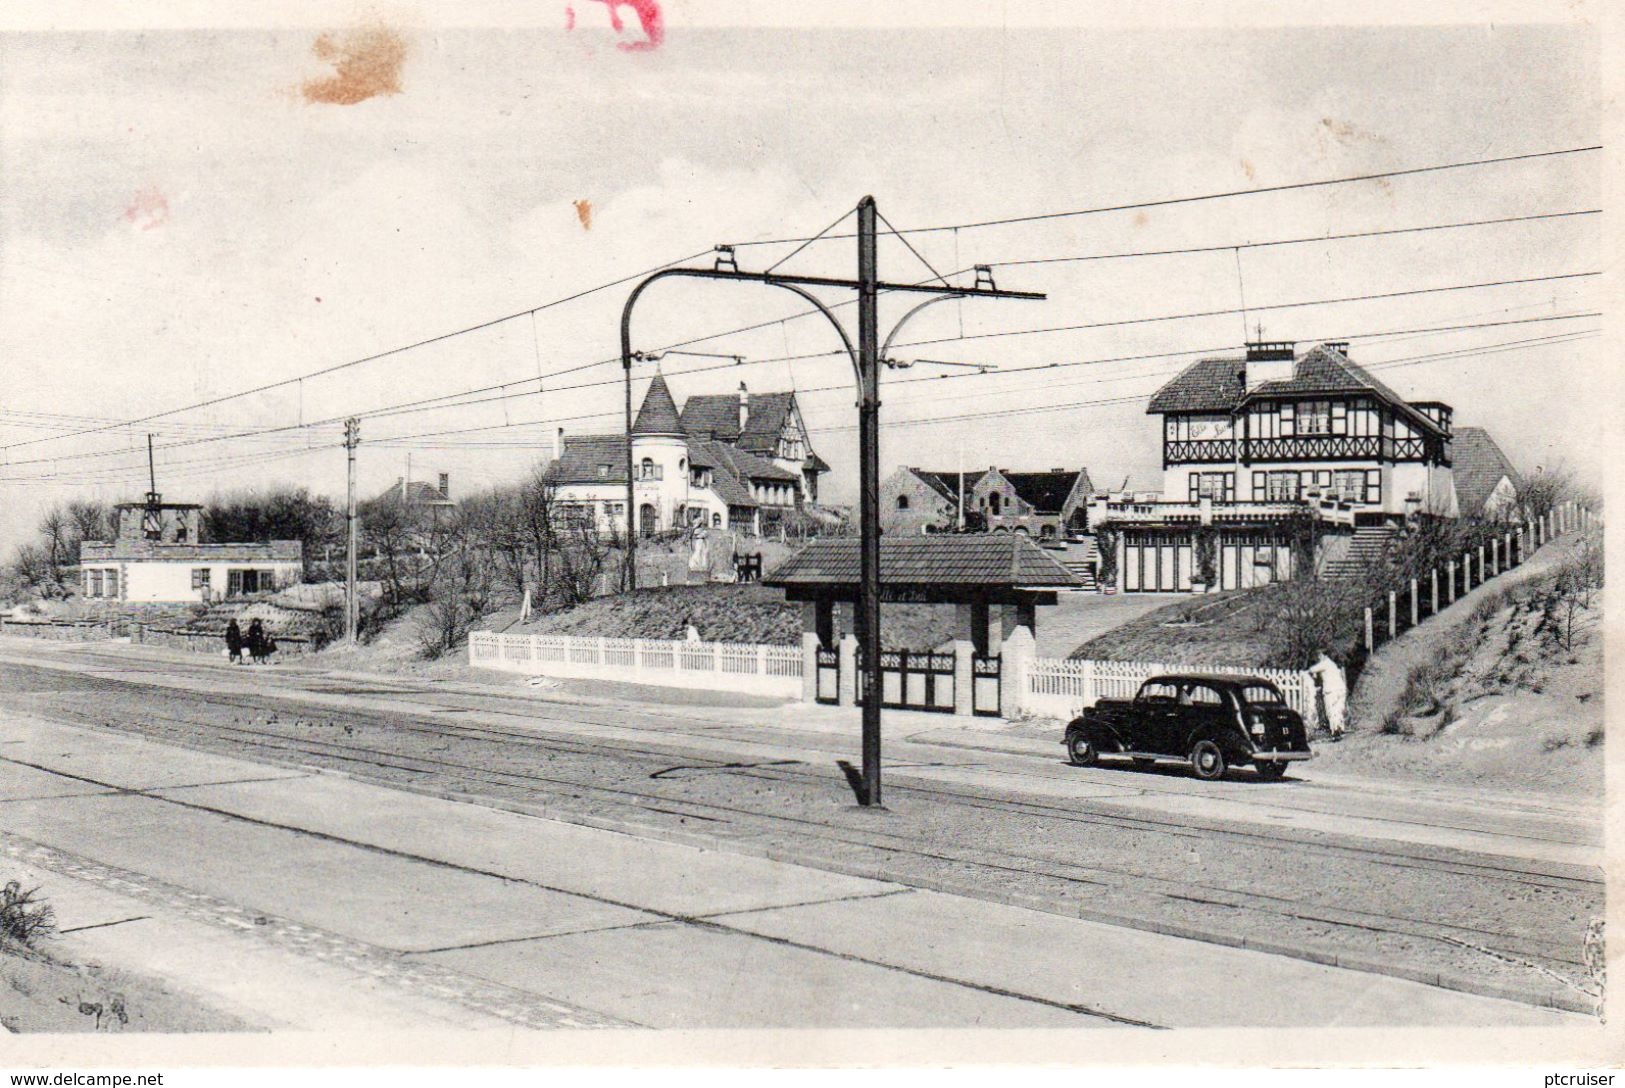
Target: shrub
1395,724
23,918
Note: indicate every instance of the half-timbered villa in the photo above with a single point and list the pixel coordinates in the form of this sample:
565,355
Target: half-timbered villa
1253,445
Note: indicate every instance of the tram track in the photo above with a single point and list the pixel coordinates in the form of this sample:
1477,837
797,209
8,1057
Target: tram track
561,794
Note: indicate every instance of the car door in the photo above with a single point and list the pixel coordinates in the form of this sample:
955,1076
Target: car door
1157,717
1204,709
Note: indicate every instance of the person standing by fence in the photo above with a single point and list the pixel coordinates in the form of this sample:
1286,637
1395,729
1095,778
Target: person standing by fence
1328,676
234,642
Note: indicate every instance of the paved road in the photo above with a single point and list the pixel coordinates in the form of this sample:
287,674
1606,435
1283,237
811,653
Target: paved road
563,923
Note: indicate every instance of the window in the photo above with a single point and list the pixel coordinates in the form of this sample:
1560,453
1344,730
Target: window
993,502
1160,693
1280,486
1314,417
647,469
682,464
1218,486
1261,694
1349,485
902,502
93,583
603,470
614,509
1202,695
200,578
716,521
110,583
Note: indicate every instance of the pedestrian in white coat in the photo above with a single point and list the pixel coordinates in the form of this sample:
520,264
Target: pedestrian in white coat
1334,692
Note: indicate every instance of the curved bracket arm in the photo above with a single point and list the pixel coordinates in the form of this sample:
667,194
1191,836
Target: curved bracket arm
885,349
708,274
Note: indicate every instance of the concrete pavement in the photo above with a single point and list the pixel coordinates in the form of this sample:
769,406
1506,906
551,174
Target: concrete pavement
929,749
497,912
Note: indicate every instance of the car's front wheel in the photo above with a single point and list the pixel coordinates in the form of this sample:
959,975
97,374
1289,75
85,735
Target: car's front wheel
1207,760
1270,770
1080,751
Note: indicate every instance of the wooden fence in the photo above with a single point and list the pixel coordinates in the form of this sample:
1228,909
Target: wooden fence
1427,595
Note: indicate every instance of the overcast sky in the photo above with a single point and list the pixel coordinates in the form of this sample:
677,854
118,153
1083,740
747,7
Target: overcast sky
190,214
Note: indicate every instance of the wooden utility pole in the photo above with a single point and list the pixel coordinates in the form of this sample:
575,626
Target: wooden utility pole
352,608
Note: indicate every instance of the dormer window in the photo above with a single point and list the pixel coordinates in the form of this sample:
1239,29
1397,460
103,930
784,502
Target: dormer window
603,470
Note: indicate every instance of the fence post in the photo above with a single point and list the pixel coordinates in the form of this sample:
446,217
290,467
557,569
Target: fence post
1091,691
1481,564
1495,555
1392,624
1433,576
1451,580
1369,643
1414,606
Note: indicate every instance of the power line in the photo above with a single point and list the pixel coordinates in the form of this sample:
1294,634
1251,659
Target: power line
1168,201
1290,241
360,361
844,387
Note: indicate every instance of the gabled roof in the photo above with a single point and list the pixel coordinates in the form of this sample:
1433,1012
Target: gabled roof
582,456
423,493
1046,492
1220,385
658,415
1006,560
1477,465
746,466
1207,385
946,484
716,415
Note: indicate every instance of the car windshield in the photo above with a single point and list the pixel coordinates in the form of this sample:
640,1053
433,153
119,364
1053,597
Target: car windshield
1261,694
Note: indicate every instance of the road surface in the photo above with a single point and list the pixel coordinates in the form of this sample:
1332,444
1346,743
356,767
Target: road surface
695,867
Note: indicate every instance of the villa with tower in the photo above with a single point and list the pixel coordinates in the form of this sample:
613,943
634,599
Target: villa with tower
740,462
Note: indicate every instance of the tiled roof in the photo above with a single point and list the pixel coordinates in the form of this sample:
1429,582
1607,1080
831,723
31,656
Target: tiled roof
1046,492
946,484
725,479
139,550
1000,560
747,466
584,453
815,463
423,493
658,415
1219,385
716,415
1477,465
1207,385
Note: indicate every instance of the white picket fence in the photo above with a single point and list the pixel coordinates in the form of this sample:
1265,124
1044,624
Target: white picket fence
752,669
1063,687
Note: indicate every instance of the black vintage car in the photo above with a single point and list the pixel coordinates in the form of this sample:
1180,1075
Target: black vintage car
1214,722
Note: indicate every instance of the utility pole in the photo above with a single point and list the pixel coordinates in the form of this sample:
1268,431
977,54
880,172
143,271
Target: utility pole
868,611
352,610
867,356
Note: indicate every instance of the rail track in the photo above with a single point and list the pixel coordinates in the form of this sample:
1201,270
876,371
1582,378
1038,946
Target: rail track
499,766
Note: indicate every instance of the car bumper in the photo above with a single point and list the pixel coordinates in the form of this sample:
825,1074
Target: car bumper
1282,757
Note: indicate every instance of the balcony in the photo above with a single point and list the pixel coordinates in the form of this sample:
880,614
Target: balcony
1299,448
1329,509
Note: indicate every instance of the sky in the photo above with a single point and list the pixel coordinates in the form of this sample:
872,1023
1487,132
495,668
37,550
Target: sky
189,214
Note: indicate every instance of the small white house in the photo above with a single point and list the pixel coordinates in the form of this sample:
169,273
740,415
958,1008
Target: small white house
157,559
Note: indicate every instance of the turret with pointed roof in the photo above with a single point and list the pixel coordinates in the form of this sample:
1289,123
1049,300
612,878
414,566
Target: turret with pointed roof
658,416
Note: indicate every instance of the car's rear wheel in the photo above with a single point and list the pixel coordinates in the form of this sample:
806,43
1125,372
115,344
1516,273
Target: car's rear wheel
1207,760
1080,751
1270,770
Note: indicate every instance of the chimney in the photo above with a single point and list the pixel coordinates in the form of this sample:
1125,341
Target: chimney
445,486
558,445
1269,361
744,407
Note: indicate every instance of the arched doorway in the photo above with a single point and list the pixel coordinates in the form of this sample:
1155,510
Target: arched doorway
648,519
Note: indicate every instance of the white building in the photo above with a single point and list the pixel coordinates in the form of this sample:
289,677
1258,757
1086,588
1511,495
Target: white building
157,558
1253,445
692,468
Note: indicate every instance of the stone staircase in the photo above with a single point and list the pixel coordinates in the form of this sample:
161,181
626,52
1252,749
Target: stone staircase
1083,567
1368,548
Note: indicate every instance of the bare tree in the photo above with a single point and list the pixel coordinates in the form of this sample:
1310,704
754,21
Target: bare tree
1539,492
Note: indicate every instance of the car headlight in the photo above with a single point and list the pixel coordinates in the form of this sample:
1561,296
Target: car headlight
1258,729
